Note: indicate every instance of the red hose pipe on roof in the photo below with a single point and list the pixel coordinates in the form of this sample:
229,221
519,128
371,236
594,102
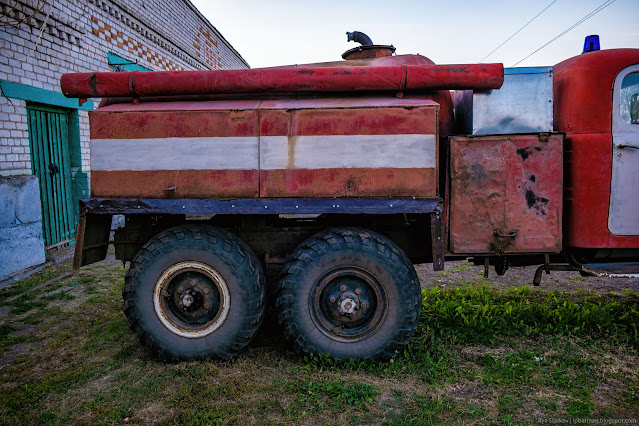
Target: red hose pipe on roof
283,79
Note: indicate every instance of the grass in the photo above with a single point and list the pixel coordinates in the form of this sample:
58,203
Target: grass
480,355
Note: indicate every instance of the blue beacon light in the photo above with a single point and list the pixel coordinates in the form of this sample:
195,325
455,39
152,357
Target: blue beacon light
591,44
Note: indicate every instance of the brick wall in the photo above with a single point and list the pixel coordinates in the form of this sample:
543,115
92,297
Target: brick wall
76,36
42,39
15,157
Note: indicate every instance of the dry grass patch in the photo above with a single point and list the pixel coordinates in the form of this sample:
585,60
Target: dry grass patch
69,357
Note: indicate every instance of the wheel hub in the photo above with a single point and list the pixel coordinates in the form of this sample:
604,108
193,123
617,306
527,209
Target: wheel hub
187,301
348,304
191,299
196,297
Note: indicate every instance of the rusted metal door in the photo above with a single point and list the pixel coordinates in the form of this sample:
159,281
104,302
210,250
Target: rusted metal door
506,194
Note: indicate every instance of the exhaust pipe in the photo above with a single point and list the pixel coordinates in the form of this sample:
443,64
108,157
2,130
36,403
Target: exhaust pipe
360,38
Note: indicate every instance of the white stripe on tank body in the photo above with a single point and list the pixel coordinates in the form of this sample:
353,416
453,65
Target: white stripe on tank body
348,151
199,153
276,152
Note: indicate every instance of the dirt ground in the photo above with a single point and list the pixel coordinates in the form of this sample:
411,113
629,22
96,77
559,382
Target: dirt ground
458,272
67,356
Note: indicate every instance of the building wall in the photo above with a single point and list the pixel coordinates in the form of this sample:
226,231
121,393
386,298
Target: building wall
40,40
76,37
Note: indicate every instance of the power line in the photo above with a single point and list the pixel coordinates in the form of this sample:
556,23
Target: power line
573,26
15,22
518,31
37,44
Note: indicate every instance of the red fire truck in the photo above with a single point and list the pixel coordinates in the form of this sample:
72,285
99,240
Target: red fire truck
333,179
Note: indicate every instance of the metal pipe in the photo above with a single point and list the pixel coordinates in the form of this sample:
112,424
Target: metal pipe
284,79
360,38
551,267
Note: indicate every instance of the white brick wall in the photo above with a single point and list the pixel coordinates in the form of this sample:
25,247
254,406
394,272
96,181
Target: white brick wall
157,34
15,158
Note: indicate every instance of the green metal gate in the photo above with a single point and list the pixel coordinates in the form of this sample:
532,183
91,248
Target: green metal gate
51,163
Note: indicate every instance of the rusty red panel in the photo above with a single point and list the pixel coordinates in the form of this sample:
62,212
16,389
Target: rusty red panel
363,147
589,175
347,102
582,90
506,194
349,182
142,123
169,152
174,183
378,121
348,149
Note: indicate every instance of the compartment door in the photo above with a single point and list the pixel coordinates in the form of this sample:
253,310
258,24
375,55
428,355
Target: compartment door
333,148
623,218
506,194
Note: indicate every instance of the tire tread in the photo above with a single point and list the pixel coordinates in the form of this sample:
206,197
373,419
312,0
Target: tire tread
220,242
335,240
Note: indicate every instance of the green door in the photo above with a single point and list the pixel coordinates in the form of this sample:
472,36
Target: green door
51,163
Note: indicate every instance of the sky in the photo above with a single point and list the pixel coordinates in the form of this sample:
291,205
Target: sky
282,32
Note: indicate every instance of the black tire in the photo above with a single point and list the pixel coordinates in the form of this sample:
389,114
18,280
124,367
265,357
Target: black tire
349,293
194,292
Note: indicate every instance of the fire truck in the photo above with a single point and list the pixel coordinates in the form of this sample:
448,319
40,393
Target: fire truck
332,179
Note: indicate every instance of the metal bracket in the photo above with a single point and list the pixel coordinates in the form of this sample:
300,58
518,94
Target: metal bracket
486,266
503,240
437,238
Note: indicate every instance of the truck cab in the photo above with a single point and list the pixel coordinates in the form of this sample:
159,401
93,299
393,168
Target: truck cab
596,107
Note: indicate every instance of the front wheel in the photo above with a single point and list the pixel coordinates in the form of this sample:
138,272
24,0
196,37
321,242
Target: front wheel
194,292
349,293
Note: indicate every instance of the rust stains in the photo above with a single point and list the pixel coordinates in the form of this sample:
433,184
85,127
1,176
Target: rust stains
525,152
538,204
292,145
93,84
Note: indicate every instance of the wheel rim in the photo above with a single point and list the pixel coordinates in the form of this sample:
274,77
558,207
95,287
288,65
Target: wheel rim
191,299
348,304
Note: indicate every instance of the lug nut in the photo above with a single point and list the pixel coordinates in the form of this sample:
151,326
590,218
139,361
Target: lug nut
342,288
180,289
193,282
358,291
207,290
332,299
363,305
207,305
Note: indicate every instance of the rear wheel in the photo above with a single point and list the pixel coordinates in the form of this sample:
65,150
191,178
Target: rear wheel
351,293
194,292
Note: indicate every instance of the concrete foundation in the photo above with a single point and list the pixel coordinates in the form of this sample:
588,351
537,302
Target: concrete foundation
21,244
